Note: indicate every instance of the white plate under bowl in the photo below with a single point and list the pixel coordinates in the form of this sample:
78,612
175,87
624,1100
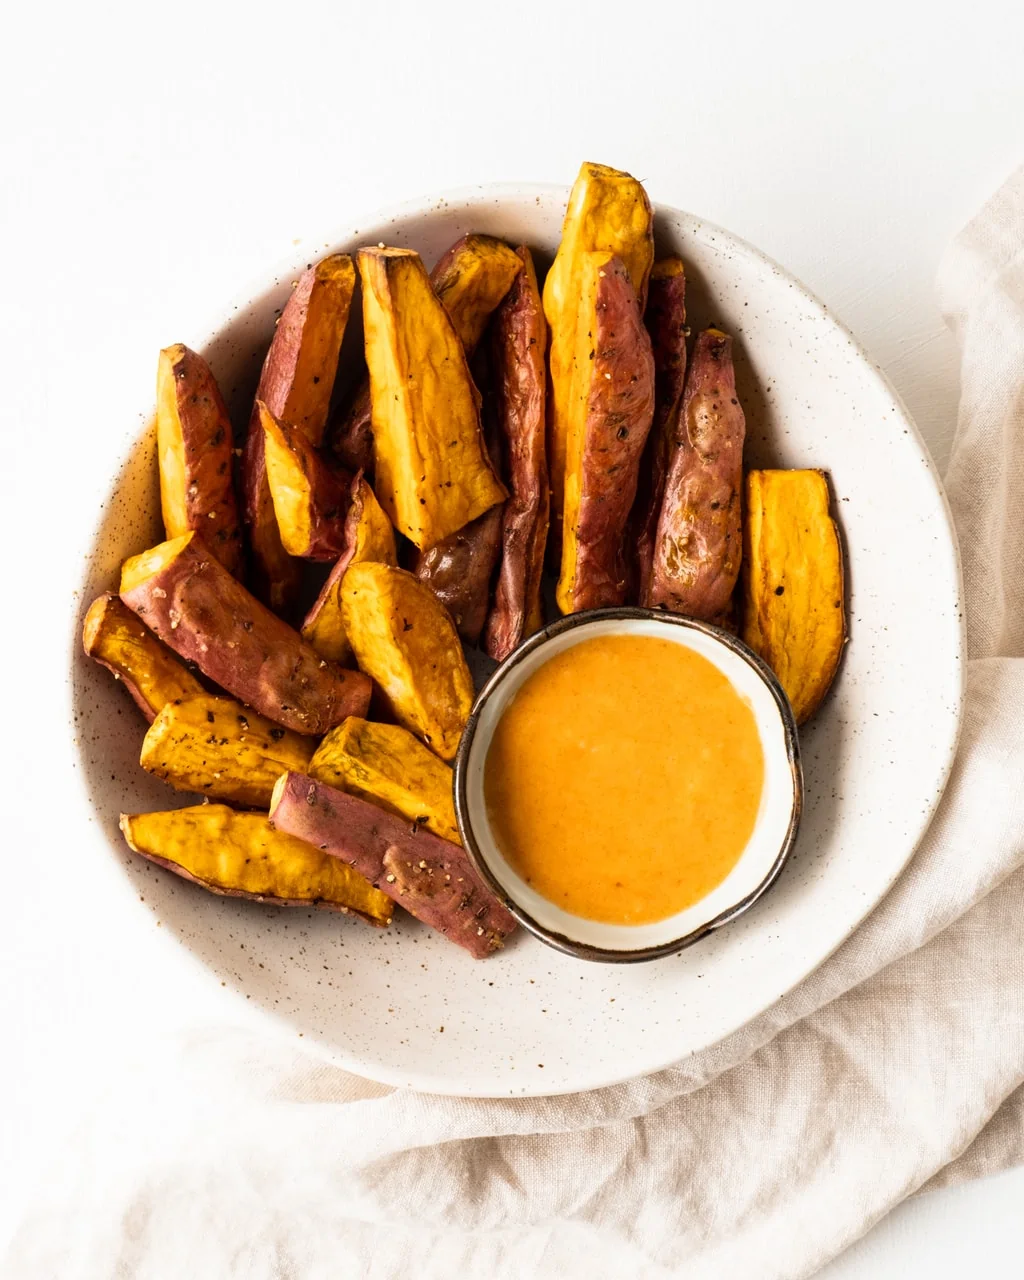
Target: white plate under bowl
876,757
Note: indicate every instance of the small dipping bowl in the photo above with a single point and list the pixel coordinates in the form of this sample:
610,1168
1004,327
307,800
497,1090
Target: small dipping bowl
765,853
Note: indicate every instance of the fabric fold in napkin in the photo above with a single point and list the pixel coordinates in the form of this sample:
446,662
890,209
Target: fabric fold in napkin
897,1066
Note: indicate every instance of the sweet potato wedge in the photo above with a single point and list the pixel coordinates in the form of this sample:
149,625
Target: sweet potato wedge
471,278
519,381
793,605
665,321
405,639
432,474
295,385
190,600
434,880
368,536
117,640
310,498
698,548
241,855
612,406
222,750
194,449
459,570
609,212
385,764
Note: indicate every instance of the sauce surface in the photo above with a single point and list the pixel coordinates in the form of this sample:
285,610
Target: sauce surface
624,779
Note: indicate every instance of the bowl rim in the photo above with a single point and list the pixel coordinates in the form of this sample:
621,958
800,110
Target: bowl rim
460,785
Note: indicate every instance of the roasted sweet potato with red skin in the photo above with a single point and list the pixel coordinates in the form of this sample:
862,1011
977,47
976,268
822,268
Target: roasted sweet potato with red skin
665,320
241,855
115,638
519,392
295,385
613,395
698,547
187,597
459,570
368,536
195,452
470,278
434,880
310,497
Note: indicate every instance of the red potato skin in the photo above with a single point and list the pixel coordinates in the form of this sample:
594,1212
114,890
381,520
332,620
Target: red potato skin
445,893
207,617
665,320
698,547
275,575
519,384
345,554
459,569
620,409
210,502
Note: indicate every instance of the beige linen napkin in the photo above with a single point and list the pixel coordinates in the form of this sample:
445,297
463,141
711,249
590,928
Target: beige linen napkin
898,1065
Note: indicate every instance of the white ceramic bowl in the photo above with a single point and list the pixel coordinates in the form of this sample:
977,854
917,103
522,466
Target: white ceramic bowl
765,853
875,758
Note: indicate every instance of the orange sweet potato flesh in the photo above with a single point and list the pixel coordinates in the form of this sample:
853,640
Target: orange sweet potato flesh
310,497
368,536
242,855
431,878
608,212
117,640
665,320
519,384
432,474
385,764
471,278
405,639
612,406
207,617
295,385
697,549
793,601
221,750
194,449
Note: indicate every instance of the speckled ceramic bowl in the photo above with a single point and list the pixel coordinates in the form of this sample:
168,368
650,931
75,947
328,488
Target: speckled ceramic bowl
404,1006
758,866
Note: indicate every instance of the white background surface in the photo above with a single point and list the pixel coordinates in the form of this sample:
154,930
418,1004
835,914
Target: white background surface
154,159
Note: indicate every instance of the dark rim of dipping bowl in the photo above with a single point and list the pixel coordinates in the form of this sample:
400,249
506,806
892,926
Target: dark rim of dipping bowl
582,950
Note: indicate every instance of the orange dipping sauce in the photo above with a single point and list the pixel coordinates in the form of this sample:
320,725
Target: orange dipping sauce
624,779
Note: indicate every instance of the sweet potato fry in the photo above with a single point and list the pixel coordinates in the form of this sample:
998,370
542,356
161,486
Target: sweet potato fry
242,855
222,750
385,764
431,470
194,448
459,570
310,498
368,536
115,637
192,603
608,212
612,407
665,321
471,278
519,375
295,385
697,547
434,880
793,607
404,638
